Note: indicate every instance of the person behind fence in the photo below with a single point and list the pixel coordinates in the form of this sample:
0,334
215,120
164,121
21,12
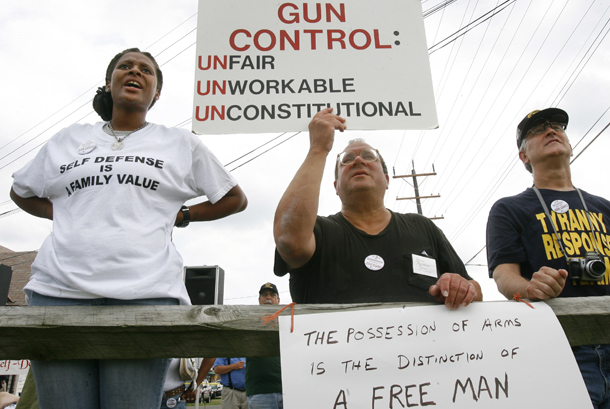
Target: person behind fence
232,373
264,374
182,381
174,387
550,240
115,190
202,374
366,252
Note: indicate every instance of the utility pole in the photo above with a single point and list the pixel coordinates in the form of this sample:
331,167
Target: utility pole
417,197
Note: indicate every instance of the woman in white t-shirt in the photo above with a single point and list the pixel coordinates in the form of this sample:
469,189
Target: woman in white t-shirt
114,191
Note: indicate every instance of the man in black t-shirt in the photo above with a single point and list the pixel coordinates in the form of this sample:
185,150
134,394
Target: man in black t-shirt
523,255
365,253
264,374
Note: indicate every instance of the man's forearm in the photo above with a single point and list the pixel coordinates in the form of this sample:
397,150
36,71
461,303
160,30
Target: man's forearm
509,281
206,365
296,213
223,369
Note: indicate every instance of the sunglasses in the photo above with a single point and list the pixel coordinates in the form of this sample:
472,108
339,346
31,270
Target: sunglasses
348,157
556,122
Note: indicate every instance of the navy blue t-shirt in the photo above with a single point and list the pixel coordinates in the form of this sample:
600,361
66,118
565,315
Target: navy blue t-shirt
518,231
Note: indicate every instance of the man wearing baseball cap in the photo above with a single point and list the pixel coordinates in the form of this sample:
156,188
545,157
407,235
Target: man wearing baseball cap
524,256
264,374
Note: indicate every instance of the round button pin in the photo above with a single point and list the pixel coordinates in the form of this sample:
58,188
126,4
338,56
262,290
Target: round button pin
560,206
374,262
86,147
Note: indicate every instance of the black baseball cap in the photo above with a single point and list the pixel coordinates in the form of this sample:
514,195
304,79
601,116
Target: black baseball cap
268,287
538,117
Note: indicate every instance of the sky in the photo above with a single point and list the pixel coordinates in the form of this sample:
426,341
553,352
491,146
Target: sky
530,55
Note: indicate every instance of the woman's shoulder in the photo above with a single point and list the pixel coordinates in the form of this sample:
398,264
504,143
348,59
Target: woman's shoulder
176,134
75,131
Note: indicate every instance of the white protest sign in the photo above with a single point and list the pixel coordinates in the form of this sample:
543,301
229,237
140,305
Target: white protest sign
487,355
20,367
270,66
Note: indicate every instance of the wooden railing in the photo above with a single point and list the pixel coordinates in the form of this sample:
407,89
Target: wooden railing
194,331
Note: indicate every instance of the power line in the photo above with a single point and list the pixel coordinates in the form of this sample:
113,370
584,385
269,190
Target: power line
262,153
169,32
589,144
10,212
448,40
438,7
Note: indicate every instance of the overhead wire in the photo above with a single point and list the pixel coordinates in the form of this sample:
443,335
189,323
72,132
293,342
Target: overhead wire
255,149
19,157
262,153
438,7
447,77
429,12
584,65
437,205
490,106
589,144
426,14
586,133
449,64
533,89
448,131
465,222
10,212
169,32
455,36
559,83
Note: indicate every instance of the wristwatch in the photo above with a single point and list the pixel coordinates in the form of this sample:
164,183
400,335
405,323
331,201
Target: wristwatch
186,216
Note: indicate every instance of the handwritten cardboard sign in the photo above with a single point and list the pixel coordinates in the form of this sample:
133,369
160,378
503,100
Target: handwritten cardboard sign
20,367
488,355
270,66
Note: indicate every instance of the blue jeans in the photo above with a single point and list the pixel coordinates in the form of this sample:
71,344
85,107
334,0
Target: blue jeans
594,364
266,401
99,384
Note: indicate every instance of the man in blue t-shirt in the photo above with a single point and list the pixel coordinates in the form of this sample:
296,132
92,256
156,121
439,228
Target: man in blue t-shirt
524,255
232,373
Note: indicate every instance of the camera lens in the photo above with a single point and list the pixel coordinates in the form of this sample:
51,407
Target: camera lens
596,268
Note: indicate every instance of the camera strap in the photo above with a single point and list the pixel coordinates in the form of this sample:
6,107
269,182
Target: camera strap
548,215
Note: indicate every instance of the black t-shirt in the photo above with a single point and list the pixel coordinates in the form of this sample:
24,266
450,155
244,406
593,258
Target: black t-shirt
346,266
518,231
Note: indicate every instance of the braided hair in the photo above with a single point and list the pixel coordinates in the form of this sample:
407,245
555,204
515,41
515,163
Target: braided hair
102,102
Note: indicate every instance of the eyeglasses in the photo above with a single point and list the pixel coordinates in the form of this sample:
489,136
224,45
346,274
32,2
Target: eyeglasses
557,123
367,155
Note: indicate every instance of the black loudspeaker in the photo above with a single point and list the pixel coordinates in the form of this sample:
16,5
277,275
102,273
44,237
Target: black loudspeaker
205,285
6,273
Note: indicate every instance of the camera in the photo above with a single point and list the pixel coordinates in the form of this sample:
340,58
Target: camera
590,268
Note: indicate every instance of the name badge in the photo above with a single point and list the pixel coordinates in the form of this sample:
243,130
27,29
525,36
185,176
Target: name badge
424,265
